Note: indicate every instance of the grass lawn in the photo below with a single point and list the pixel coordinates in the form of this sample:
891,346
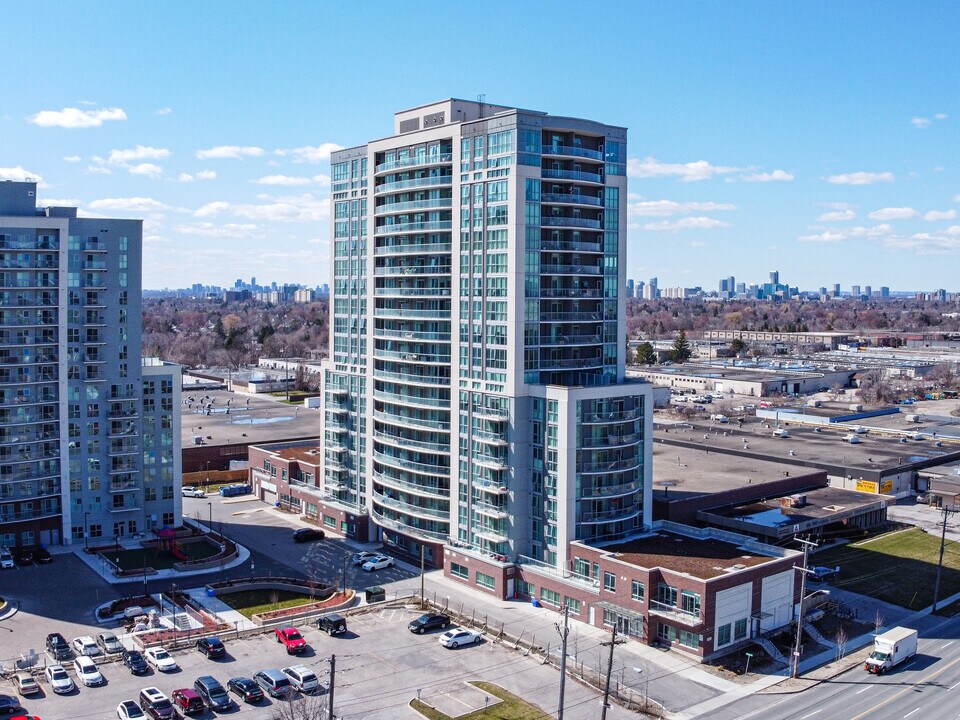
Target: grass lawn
134,559
512,707
250,602
899,568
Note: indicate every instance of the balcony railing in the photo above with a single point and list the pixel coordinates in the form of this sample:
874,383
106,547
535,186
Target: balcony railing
578,198
572,151
434,491
415,161
384,521
690,619
412,249
611,514
410,509
415,182
574,222
571,269
398,207
572,175
412,227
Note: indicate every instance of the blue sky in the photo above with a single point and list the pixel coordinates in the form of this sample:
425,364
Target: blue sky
817,138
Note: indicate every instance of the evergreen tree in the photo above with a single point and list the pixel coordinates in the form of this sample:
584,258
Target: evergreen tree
681,348
645,354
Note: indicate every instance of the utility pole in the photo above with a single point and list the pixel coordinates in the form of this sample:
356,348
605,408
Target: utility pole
943,541
423,599
613,642
807,544
333,669
563,658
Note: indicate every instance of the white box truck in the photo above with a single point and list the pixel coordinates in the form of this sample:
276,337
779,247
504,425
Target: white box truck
890,649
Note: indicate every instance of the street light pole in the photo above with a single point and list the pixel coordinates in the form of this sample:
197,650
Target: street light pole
943,541
210,524
86,532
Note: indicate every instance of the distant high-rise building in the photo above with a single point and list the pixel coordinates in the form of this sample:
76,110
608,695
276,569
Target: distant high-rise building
650,291
836,290
775,277
823,292
89,436
638,289
868,291
741,288
448,427
884,292
855,291
629,288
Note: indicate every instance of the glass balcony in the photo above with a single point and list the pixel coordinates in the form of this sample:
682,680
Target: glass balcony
610,514
572,175
608,467
672,612
571,199
570,246
414,161
574,222
398,185
412,249
412,399
570,270
408,442
404,292
589,492
398,207
401,527
404,464
410,509
422,489
611,416
414,227
572,151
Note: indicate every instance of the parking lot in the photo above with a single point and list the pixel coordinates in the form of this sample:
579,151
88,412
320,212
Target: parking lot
380,666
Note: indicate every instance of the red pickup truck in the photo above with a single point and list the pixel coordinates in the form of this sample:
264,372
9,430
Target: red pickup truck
291,639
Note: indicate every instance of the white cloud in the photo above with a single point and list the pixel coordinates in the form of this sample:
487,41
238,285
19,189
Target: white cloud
667,208
920,122
230,152
211,209
130,204
827,236
956,198
837,215
835,235
57,202
291,180
894,213
940,215
162,111
76,118
145,169
871,232
99,170
17,173
202,175
72,158
928,243
688,223
309,153
860,178
140,152
941,116
650,167
776,175
295,208
228,230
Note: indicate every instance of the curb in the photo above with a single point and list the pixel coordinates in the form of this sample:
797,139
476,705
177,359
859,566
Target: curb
11,608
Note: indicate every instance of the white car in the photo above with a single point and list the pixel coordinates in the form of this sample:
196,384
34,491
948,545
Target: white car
720,418
129,710
194,492
781,433
60,682
302,678
85,645
460,636
851,438
378,563
740,408
87,671
6,559
160,659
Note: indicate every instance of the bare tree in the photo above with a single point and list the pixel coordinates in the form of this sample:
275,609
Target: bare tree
300,707
878,621
841,639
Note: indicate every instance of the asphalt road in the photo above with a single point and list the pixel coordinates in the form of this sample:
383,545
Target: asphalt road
926,687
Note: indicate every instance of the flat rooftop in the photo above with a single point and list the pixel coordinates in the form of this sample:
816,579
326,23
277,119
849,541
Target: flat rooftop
821,504
251,418
754,373
703,558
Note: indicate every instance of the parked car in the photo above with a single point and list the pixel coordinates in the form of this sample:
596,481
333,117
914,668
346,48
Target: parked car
187,701
359,558
308,534
246,689
109,643
291,638
821,573
430,621
60,682
134,660
9,705
332,624
273,682
85,645
212,647
42,555
23,556
161,659
25,684
190,491
213,694
302,678
57,647
460,636
129,710
6,559
378,563
156,704
87,671
781,433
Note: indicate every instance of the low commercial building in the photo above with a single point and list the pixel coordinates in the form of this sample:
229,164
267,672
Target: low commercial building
828,340
751,379
702,591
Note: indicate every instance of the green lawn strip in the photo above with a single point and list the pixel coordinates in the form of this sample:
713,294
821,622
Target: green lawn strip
159,560
510,707
899,568
251,602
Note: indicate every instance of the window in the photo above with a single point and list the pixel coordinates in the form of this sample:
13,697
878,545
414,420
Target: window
689,639
740,629
460,571
550,597
487,581
330,522
96,531
690,603
723,635
609,582
525,589
573,604
666,595
666,632
636,590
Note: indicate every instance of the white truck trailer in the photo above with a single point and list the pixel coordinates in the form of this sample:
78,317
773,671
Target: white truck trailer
890,649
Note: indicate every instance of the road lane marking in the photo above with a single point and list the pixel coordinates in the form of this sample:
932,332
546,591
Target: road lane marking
947,645
811,714
909,688
864,690
911,713
910,665
953,686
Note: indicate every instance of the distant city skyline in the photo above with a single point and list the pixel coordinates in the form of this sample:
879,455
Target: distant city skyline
760,135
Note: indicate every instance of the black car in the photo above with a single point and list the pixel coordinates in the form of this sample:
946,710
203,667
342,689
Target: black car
42,555
134,660
57,647
246,689
23,556
430,621
212,692
212,647
9,705
332,624
307,534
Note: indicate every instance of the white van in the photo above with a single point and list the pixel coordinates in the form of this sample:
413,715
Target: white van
852,438
781,433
